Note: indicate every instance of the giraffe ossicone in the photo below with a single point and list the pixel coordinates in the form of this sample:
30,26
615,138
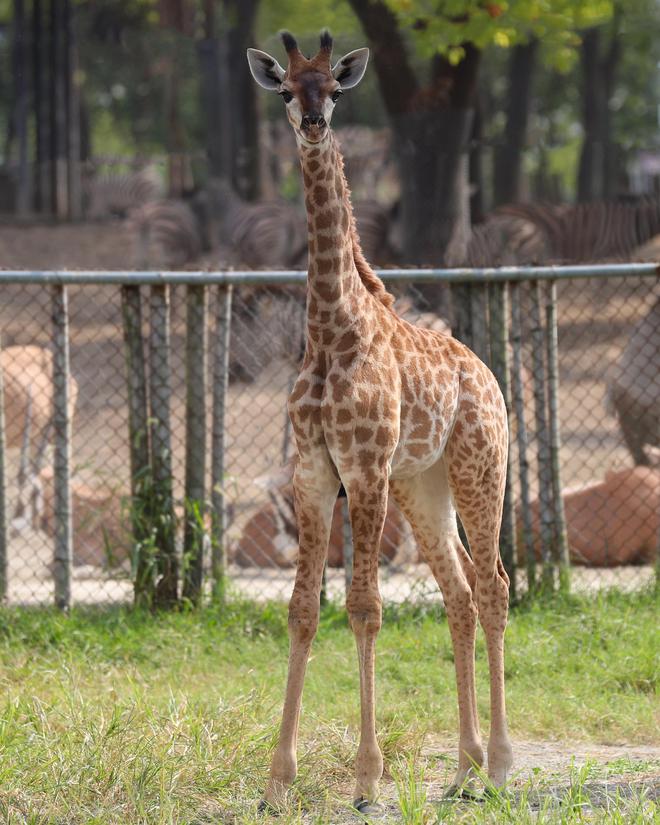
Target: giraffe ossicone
384,407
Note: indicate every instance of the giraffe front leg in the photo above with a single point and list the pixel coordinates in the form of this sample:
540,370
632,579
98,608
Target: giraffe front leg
364,605
314,495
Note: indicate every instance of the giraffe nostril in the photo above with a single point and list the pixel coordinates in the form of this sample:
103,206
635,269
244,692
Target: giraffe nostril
312,120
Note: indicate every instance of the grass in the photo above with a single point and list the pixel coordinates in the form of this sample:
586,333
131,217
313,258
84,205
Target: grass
118,716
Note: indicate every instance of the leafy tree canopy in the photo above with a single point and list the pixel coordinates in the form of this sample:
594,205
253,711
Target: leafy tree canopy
442,26
306,17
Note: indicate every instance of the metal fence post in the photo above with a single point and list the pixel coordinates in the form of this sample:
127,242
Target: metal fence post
498,305
220,389
518,393
4,571
542,438
195,482
166,594
479,314
559,518
63,556
138,436
461,312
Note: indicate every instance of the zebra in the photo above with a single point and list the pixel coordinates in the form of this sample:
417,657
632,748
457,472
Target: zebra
166,234
368,160
377,227
264,235
116,195
270,323
602,230
272,234
503,240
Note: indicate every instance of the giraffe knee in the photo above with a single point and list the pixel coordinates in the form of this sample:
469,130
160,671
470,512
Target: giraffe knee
365,612
303,619
461,608
493,602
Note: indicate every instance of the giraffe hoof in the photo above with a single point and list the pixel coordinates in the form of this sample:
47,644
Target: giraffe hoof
364,806
264,807
458,792
495,791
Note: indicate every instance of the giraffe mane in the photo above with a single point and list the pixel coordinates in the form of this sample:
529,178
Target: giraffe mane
368,277
371,281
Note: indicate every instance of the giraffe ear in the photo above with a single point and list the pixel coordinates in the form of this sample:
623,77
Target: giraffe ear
351,68
265,69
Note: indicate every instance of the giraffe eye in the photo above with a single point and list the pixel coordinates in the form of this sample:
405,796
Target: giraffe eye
336,95
286,96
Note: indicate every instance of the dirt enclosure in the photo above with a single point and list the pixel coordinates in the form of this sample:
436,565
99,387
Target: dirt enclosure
612,774
595,321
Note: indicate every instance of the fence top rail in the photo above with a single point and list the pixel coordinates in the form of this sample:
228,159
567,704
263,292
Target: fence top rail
289,276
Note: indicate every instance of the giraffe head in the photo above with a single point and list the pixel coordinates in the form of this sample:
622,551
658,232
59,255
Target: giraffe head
310,88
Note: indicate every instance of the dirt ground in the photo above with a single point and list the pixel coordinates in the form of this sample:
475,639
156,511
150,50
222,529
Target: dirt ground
542,778
595,321
543,768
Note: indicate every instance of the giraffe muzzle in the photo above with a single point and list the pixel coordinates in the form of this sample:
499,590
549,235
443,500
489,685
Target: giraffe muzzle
313,120
313,127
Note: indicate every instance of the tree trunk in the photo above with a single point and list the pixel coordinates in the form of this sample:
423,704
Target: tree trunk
176,144
229,96
43,195
244,120
215,90
597,171
590,173
21,107
428,147
609,66
508,158
432,127
58,130
74,184
476,175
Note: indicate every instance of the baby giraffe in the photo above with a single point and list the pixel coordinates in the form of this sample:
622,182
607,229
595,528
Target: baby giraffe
384,407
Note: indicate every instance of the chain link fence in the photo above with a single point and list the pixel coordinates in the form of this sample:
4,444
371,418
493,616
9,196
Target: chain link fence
218,365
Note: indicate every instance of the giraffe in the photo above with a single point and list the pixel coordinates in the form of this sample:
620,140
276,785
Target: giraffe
384,407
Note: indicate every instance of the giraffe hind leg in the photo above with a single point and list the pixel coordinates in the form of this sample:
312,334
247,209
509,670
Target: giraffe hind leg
426,502
478,496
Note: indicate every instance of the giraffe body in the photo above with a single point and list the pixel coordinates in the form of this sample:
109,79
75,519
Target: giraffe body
384,407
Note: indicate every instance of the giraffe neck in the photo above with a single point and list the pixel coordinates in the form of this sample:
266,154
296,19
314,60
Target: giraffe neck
332,275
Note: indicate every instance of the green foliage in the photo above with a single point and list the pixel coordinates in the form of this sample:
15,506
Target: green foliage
305,17
128,63
636,99
444,25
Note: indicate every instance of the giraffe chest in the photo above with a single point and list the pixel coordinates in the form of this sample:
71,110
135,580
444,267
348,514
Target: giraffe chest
349,408
428,405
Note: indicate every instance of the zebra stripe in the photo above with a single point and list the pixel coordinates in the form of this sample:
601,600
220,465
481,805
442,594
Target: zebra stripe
111,195
167,234
604,230
264,235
